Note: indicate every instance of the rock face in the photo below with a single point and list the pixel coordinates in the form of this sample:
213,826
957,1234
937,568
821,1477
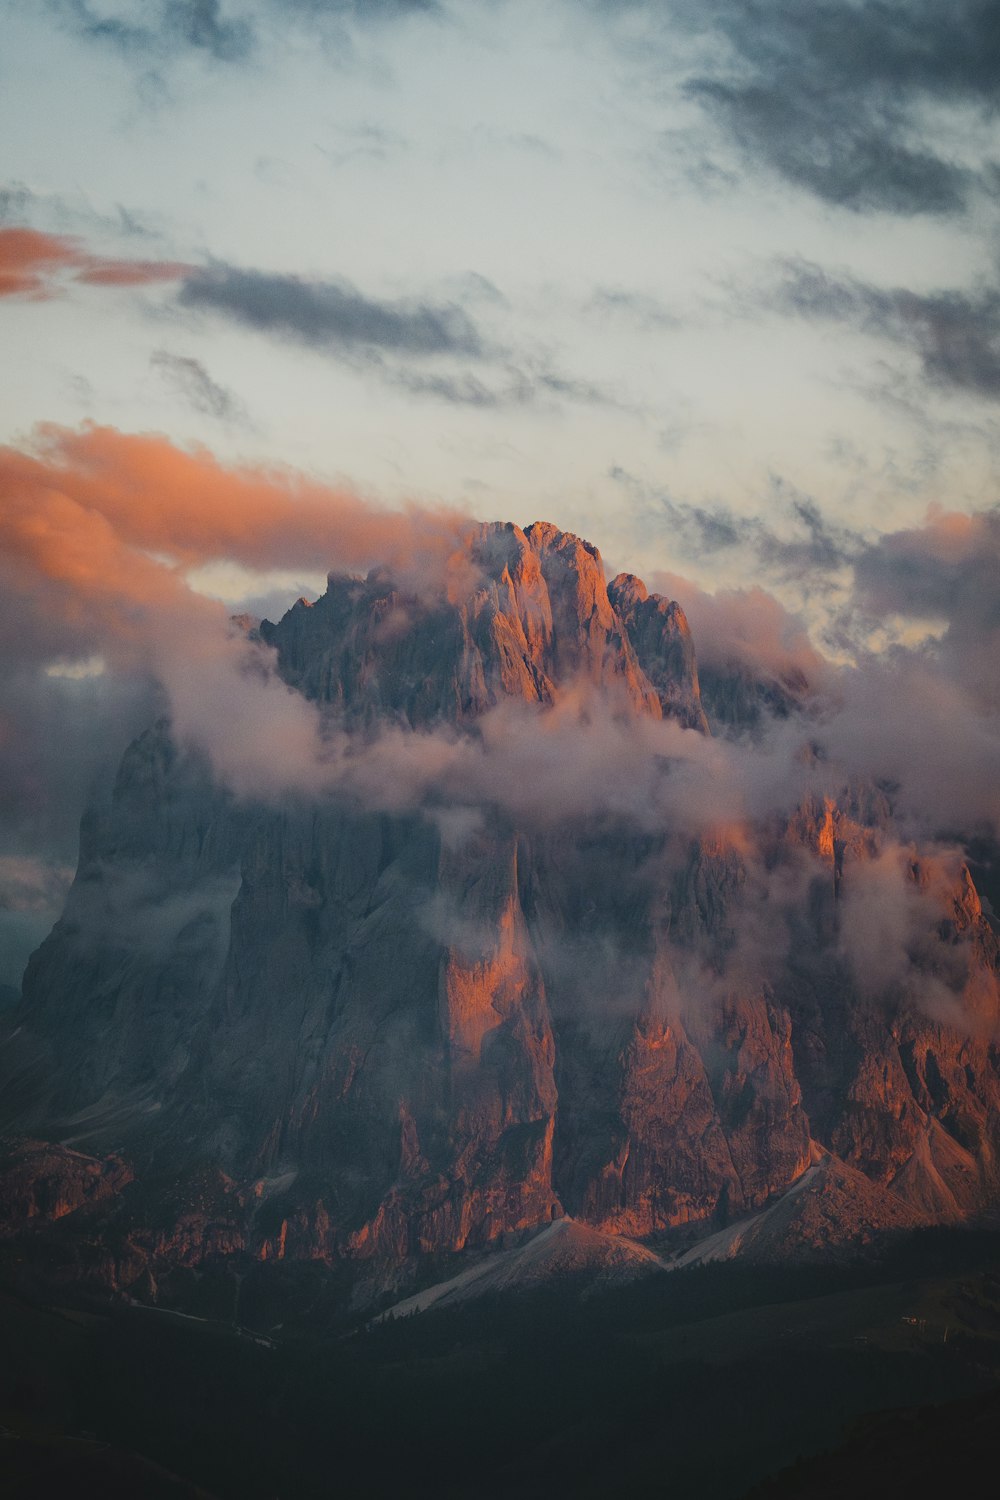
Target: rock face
319,1031
533,617
659,631
564,1249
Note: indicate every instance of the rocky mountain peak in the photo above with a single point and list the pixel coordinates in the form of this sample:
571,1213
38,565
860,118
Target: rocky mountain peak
626,591
660,633
328,1032
526,615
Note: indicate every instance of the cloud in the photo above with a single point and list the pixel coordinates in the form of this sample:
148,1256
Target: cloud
955,334
32,896
32,885
746,627
191,380
162,28
943,572
20,205
331,314
903,721
144,494
810,545
154,33
29,260
836,97
138,905
462,389
507,386
390,337
99,532
36,265
923,721
899,938
60,740
363,10
637,308
396,339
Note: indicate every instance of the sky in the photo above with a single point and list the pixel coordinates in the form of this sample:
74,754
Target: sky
715,285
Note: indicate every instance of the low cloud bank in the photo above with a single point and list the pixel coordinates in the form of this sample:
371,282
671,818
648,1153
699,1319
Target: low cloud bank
99,532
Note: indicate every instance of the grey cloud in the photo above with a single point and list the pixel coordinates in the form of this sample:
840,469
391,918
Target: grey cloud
30,884
945,571
60,739
956,334
226,32
847,159
166,27
200,24
32,894
331,314
394,339
830,95
635,307
363,142
822,545
816,546
746,626
463,389
707,530
473,287
21,205
191,380
583,391
56,749
362,10
15,200
948,568
511,387
133,903
904,720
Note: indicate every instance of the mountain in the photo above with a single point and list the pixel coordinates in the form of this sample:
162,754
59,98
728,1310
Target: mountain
375,1027
563,1249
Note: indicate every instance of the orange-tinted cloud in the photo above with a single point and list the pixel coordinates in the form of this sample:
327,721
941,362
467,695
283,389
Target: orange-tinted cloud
98,272
107,524
156,497
29,260
97,531
34,264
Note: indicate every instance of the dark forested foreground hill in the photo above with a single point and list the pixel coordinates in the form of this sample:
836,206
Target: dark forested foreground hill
704,1383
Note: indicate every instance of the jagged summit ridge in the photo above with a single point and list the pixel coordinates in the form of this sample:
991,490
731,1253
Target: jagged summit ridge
527,615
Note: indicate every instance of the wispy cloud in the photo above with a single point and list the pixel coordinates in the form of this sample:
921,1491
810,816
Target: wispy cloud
224,31
810,544
834,96
636,308
331,314
954,333
163,27
191,380
37,265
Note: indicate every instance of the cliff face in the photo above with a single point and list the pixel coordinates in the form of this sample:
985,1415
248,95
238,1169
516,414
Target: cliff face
531,615
318,1031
